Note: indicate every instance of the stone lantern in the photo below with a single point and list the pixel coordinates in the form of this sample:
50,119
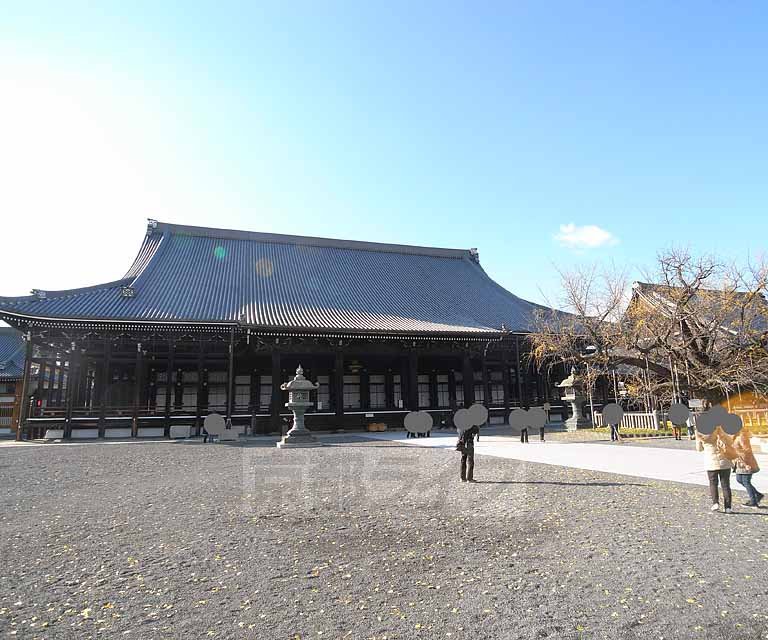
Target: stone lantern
573,393
298,402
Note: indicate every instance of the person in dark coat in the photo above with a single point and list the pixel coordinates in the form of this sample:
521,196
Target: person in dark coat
467,440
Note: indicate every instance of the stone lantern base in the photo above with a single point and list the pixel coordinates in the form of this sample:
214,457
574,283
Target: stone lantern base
577,422
298,441
299,437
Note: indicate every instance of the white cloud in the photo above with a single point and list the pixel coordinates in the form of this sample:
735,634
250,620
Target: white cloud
589,236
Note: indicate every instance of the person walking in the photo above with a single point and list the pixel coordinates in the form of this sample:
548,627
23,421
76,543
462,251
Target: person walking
718,467
466,445
613,414
746,466
524,434
677,430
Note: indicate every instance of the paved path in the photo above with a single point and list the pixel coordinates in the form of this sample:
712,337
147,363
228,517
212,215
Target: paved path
656,463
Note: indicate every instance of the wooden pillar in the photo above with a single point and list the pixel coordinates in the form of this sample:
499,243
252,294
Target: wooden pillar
452,389
539,384
60,370
486,382
137,390
24,409
200,390
413,380
433,401
338,388
253,399
505,382
17,407
365,390
404,385
276,393
60,379
522,389
468,380
89,392
105,383
51,392
231,374
389,389
42,391
170,387
73,380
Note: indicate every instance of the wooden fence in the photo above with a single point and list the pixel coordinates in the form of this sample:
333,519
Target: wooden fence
633,420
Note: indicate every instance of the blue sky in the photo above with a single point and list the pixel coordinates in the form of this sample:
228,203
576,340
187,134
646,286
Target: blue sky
629,125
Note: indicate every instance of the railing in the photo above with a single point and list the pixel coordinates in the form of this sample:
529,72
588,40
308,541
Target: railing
753,417
633,420
6,416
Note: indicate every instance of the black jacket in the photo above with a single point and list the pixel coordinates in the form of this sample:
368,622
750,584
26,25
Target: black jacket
468,438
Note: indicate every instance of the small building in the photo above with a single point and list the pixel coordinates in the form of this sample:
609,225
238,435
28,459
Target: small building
11,373
214,320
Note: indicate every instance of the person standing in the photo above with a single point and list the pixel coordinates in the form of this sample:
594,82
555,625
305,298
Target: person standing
466,445
746,466
718,468
524,434
613,414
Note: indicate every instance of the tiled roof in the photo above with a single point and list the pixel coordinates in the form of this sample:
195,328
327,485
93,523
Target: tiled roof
725,305
192,274
11,354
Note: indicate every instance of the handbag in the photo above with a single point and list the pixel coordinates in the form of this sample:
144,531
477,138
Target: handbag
460,446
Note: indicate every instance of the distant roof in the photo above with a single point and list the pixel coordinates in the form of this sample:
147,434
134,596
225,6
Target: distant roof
665,298
11,354
186,274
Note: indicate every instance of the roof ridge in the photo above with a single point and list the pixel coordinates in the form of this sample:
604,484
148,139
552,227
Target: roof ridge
280,238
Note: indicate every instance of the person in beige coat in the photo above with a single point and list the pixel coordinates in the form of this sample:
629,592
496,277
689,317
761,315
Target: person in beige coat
745,466
718,464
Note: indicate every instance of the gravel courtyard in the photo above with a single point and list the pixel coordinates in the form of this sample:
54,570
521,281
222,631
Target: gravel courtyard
363,540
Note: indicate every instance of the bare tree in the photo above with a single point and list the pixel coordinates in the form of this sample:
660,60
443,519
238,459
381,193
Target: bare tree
590,331
697,327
